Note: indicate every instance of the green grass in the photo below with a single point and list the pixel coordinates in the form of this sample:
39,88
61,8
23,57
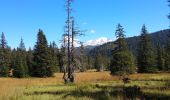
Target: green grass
97,91
154,87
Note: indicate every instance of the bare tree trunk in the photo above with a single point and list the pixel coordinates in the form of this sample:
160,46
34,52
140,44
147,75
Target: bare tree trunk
68,26
72,53
70,32
65,76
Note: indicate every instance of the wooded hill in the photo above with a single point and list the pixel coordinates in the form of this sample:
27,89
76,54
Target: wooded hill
106,49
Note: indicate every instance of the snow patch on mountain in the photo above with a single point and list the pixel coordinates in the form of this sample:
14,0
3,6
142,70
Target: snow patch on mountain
97,42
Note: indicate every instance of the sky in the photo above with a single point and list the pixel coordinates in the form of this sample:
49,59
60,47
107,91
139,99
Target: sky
99,18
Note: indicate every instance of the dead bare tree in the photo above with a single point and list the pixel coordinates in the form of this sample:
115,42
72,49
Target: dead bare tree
68,42
68,69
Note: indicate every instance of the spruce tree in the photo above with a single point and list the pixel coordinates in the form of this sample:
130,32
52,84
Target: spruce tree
20,63
98,63
5,57
13,59
54,57
41,67
61,58
82,58
160,59
22,46
19,67
167,60
122,62
89,62
29,59
146,57
24,57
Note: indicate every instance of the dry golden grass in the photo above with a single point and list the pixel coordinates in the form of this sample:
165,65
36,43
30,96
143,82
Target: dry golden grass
13,86
79,77
94,76
156,76
10,87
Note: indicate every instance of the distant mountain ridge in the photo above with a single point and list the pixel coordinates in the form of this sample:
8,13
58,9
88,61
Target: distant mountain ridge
97,42
91,44
106,48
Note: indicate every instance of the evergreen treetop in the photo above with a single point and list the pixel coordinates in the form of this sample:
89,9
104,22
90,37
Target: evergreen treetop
121,42
146,57
3,41
122,62
22,45
42,56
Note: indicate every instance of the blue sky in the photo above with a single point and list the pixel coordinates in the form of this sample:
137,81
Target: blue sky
23,18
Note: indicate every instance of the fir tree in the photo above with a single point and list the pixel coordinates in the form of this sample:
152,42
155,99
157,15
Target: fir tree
24,57
120,42
167,60
3,41
61,58
146,58
20,65
89,62
54,56
19,70
23,52
98,63
41,58
82,58
5,57
29,59
13,59
122,62
160,56
22,45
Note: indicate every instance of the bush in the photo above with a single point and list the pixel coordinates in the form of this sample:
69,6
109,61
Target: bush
4,71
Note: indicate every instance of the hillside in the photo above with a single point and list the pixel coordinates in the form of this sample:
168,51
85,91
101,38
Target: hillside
106,49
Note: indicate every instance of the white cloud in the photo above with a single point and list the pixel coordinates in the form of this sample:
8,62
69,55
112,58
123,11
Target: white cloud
99,41
76,41
92,31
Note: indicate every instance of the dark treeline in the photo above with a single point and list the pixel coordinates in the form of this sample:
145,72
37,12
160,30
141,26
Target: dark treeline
46,58
42,61
146,56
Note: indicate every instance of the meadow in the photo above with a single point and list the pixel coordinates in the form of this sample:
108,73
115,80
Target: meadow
88,86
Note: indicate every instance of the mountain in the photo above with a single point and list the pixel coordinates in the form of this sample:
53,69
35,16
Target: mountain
91,44
106,49
97,42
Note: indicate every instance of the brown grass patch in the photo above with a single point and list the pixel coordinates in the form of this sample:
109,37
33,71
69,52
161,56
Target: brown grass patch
94,77
13,86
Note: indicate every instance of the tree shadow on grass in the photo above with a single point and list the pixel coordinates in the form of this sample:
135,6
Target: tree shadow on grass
105,93
113,92
46,92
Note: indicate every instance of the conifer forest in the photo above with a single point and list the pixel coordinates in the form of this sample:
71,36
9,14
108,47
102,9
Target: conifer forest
129,67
